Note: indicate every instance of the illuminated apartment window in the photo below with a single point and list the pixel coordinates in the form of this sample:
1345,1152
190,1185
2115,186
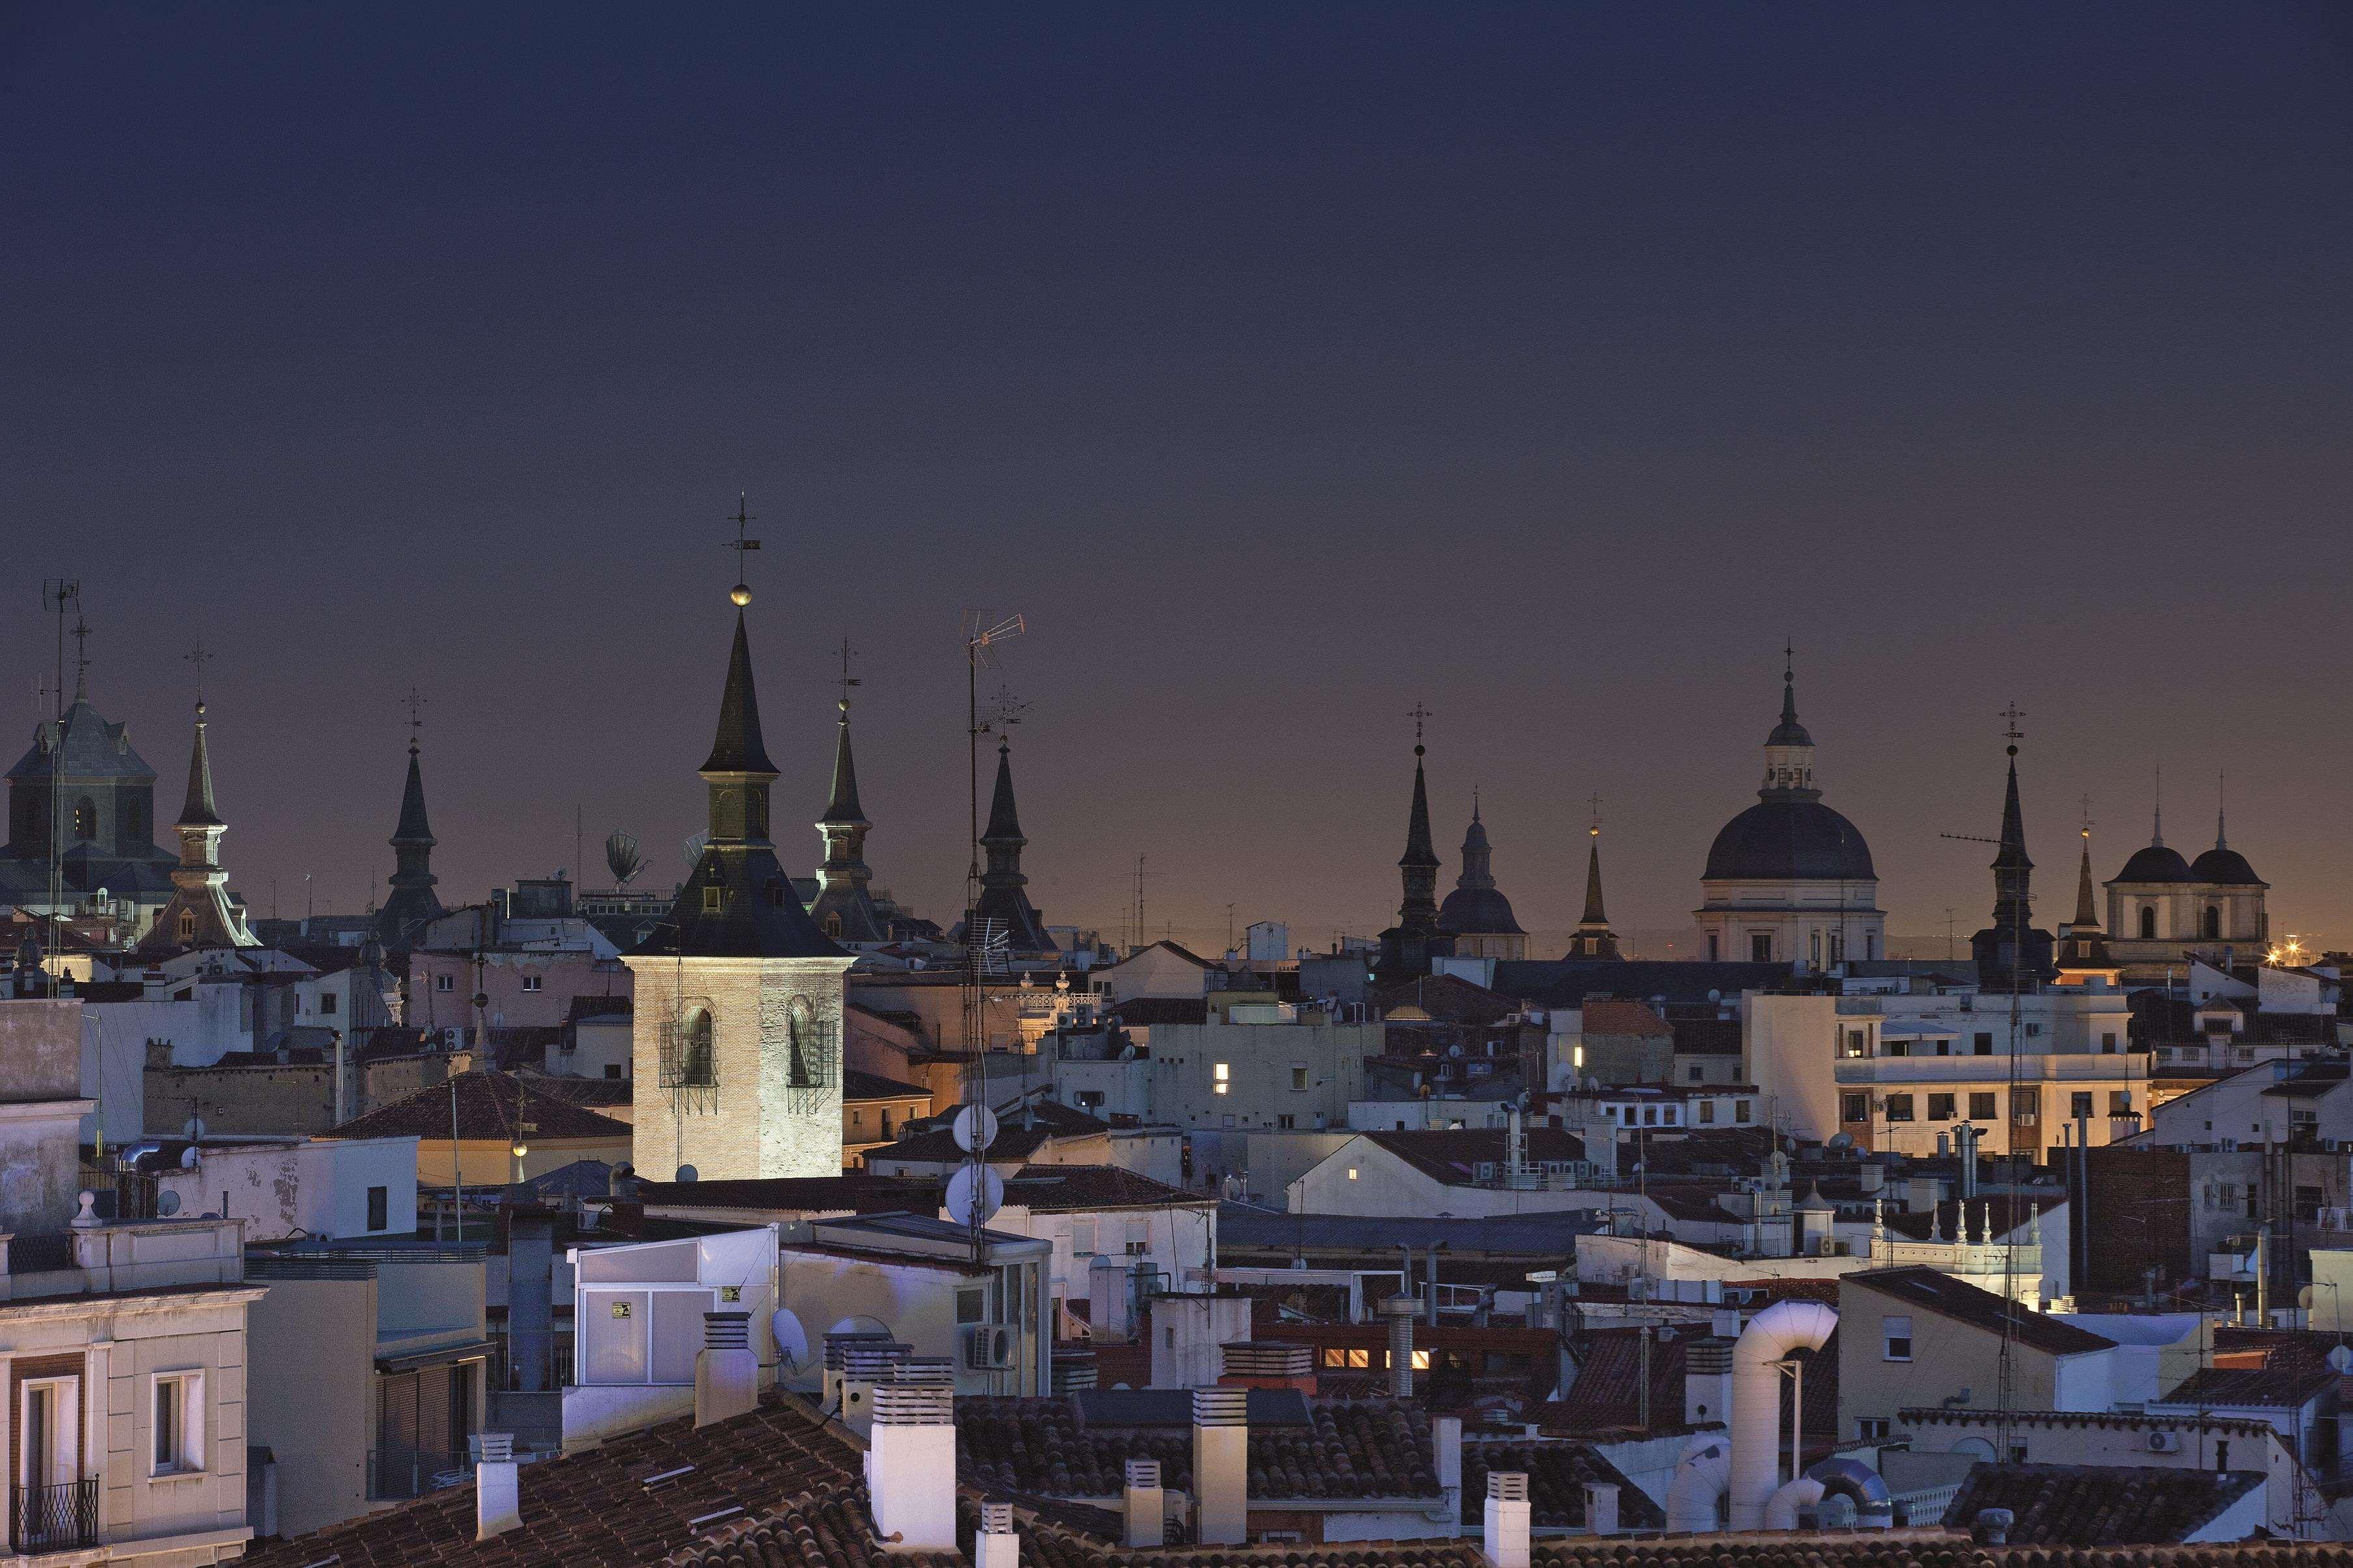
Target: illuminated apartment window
1224,1076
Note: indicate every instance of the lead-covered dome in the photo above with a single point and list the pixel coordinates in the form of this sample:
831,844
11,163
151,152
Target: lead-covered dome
1789,840
1477,912
2224,864
2156,863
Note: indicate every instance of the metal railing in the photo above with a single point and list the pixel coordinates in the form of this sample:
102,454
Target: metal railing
62,1518
40,1254
404,1472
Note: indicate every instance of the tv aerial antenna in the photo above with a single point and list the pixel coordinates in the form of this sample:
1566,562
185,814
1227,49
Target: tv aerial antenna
981,637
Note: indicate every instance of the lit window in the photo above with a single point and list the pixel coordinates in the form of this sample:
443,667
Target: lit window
1360,1361
1352,1172
1224,1078
1334,1357
1421,1361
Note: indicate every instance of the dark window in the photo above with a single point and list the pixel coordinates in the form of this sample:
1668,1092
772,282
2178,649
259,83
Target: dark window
2148,922
2025,1106
1899,1108
1740,1111
1981,1106
2120,1102
1981,1045
695,1060
327,1002
2108,1044
2079,1103
612,1069
1760,948
379,1207
2214,923
1854,1108
1941,1108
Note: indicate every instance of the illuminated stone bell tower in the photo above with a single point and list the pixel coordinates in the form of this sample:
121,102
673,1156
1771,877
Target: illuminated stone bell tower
737,1037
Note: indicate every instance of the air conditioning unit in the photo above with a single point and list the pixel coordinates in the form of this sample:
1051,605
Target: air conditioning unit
2161,1442
452,1038
988,1347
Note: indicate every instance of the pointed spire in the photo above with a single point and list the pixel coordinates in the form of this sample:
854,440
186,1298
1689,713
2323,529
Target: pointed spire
1417,849
1593,916
737,748
413,829
199,811
1004,820
2087,911
1788,684
2157,819
843,807
2012,853
2221,839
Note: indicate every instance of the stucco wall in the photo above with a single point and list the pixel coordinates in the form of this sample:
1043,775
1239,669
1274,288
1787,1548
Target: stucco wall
314,1344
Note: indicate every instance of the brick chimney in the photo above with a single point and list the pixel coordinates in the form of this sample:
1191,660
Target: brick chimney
498,1495
726,1371
1220,1466
996,1546
1145,1506
1506,1540
911,1466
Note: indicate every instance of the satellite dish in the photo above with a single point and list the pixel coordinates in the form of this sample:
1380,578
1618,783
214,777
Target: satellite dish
687,1173
975,1128
693,848
1715,995
974,1194
193,1128
2340,1359
167,1204
190,1159
792,1340
621,857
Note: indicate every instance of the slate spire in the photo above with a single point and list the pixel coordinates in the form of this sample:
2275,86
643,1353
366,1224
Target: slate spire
737,747
199,810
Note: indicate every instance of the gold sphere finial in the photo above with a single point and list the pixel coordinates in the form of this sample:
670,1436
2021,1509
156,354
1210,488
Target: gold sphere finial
740,594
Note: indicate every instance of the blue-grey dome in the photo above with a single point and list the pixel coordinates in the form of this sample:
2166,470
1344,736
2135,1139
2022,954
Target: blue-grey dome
1781,839
2224,864
1477,912
2156,863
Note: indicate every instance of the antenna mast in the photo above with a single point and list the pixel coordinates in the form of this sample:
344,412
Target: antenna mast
56,594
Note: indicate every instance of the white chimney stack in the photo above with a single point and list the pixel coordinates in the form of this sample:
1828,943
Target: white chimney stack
1446,1442
1222,1466
726,1371
910,1469
1601,1507
1146,1505
1506,1540
498,1494
996,1546
1708,1381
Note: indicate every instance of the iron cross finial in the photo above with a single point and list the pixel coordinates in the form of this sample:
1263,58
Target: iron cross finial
847,681
741,593
415,703
2013,713
1419,714
195,656
1594,828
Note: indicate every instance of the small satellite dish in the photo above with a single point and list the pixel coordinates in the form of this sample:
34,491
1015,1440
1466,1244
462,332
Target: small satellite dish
693,848
193,1128
1715,995
190,1159
687,1173
621,857
2340,1359
167,1204
975,1128
974,1202
792,1340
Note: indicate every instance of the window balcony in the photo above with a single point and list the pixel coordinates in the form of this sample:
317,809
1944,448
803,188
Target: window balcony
62,1518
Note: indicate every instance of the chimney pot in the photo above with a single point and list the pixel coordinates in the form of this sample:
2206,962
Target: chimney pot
1222,1466
497,1493
996,1546
1505,1541
911,1465
1144,1505
726,1372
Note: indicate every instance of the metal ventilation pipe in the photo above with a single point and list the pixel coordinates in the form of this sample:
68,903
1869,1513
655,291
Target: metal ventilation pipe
1399,1311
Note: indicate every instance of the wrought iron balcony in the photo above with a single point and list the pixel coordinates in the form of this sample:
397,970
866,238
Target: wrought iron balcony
62,1518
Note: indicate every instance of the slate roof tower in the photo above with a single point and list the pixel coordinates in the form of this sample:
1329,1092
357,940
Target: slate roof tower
2011,954
1003,891
736,1030
843,909
412,901
1476,914
1593,937
1408,946
103,794
200,915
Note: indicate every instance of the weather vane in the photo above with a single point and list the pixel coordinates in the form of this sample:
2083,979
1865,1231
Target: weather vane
2088,816
1417,715
1594,828
741,593
847,681
415,703
2013,734
195,656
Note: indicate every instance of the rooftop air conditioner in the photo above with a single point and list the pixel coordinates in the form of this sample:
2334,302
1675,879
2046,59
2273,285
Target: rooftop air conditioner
2163,1442
988,1347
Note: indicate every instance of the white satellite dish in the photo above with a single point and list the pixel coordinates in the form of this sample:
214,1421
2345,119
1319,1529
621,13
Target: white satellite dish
190,1159
167,1204
792,1340
974,1201
687,1173
193,1129
975,1128
2340,1359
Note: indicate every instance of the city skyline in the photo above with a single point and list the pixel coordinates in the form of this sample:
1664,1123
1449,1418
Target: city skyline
1547,368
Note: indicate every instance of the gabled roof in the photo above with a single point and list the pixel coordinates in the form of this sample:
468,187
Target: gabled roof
489,1105
1963,1302
1453,1157
1369,1448
2099,1505
1047,1189
596,1507
1622,1016
2280,1384
859,1085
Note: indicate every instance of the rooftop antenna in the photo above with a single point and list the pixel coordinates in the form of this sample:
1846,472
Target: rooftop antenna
981,637
80,634
846,680
56,594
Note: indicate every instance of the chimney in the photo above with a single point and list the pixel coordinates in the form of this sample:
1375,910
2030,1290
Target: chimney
1446,1447
1400,1309
1146,1505
911,1466
1991,1526
726,1372
1506,1541
1220,1466
1601,1507
863,1365
498,1496
996,1546
1874,1175
1708,1381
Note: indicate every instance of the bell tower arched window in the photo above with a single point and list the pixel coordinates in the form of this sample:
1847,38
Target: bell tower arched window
2214,923
695,1061
2148,922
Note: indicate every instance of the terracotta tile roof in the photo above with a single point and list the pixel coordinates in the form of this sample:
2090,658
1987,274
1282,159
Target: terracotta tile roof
1963,1302
851,1193
1622,1016
1047,1189
588,1091
1608,1379
2284,1386
487,1108
599,1007
1455,1156
2099,1505
1557,1475
593,1508
1376,1449
857,1085
1707,1037
1142,1012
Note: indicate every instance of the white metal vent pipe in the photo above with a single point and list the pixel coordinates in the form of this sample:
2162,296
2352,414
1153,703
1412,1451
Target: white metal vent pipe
1769,1337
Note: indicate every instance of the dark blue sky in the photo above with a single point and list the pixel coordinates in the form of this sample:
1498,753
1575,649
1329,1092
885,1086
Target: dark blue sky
1285,365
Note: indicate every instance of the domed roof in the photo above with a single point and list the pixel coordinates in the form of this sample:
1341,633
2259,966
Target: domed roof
2221,864
2156,863
1477,912
1783,839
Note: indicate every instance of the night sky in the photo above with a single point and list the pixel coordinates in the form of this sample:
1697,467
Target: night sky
1286,366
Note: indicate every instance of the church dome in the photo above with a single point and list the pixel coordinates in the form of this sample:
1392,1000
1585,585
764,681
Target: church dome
1477,912
2156,863
1789,839
2224,866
